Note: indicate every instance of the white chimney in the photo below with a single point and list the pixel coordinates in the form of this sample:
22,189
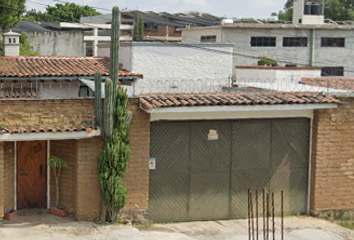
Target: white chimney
11,44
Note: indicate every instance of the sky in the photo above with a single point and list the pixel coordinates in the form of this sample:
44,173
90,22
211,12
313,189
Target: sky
223,8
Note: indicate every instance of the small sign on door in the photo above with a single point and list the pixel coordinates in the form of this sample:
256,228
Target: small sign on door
213,135
152,163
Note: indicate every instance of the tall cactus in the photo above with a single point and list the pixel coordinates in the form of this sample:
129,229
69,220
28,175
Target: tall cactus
113,159
98,99
108,108
115,35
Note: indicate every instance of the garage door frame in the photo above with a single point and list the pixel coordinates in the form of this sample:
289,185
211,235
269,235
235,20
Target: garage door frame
269,115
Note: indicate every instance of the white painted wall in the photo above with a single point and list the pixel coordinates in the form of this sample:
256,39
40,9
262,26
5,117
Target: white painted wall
171,67
57,43
193,36
277,79
240,37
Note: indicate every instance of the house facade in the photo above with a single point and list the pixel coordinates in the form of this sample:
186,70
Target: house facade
47,109
193,155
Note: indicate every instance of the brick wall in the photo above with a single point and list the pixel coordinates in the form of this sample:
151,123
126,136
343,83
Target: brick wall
9,153
46,112
333,158
161,32
66,149
2,177
79,185
137,176
86,184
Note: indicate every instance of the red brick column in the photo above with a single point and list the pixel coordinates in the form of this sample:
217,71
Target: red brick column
2,180
137,176
66,149
86,184
333,158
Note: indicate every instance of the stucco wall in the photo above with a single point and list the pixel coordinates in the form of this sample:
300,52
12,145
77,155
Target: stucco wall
241,38
57,43
269,75
178,68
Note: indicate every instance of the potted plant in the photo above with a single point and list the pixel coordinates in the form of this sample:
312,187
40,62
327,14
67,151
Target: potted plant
10,214
57,163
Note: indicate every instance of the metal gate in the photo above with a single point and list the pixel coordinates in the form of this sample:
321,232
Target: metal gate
204,168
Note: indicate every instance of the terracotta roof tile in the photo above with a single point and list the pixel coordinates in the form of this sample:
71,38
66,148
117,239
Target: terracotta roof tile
152,101
55,66
330,82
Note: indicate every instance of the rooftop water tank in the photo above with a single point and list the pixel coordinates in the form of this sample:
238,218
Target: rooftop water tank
307,9
273,19
316,9
226,21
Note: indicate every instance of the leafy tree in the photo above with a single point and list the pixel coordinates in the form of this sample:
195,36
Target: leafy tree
138,27
10,12
25,48
337,10
37,16
70,12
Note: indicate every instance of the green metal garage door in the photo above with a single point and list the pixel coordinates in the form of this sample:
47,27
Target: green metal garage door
204,168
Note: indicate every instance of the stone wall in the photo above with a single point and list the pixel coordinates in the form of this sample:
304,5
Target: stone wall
46,112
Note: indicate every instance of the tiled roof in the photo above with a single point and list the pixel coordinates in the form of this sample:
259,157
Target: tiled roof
165,100
17,93
329,82
53,66
47,129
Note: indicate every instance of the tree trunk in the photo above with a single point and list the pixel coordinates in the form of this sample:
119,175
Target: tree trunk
56,192
103,214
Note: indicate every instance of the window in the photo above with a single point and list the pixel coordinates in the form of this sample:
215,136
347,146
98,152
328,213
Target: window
263,41
332,42
150,27
295,42
211,38
85,92
332,71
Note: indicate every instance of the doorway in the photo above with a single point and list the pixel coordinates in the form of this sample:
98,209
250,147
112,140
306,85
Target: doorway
31,174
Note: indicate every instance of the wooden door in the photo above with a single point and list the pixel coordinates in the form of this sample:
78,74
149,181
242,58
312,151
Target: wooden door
31,174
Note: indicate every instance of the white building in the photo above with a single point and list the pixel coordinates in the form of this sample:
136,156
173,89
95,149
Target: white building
309,41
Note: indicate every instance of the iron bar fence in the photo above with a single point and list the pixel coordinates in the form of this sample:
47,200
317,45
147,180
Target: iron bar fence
268,214
75,89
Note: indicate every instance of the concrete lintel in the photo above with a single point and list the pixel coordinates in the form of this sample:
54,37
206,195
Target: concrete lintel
49,136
